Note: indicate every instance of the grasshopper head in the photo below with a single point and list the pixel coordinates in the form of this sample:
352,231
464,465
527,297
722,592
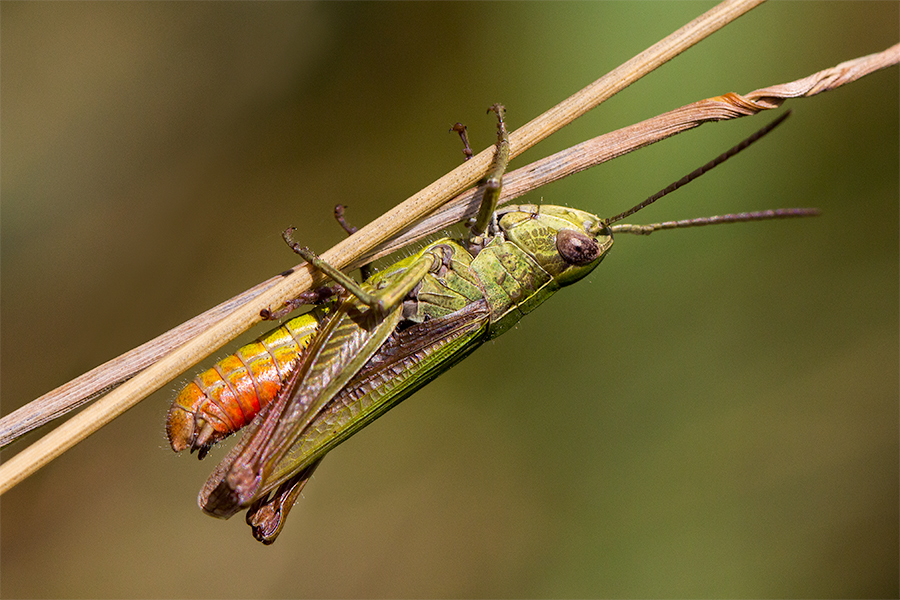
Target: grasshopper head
565,242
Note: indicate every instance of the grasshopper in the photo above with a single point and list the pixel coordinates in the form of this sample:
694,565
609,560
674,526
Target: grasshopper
384,338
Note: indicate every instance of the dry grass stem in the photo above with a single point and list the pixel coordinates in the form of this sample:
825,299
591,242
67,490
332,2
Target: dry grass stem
516,183
353,251
216,331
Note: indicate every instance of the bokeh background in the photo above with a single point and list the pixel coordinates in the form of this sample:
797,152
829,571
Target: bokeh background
714,413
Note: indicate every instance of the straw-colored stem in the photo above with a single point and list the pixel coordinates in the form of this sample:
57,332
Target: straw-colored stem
516,183
121,399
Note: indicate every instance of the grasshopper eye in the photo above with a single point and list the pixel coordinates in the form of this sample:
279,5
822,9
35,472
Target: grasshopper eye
577,248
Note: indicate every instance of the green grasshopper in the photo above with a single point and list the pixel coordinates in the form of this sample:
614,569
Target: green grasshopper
385,338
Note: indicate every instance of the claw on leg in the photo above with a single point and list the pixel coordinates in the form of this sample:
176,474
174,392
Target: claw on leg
339,217
365,271
464,136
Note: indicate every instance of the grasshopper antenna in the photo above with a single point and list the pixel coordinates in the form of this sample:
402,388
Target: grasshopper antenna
781,213
760,215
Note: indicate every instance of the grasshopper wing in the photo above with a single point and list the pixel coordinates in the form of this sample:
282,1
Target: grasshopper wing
409,359
346,343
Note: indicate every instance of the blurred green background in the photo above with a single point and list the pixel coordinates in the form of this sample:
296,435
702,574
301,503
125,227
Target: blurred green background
726,425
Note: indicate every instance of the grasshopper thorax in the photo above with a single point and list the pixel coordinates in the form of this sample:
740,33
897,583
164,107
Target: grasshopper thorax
558,238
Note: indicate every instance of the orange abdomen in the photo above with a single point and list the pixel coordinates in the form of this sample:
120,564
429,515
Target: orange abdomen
224,398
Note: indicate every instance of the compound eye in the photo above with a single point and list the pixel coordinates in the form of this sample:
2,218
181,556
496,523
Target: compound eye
577,248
